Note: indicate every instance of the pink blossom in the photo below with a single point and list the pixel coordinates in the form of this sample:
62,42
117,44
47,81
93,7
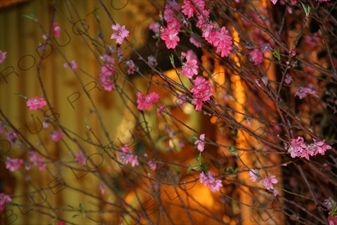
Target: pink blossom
265,47
195,42
72,65
200,143
152,165
173,4
61,222
131,67
13,164
191,6
145,101
33,157
41,164
202,91
256,56
190,67
155,27
120,33
3,200
209,181
106,77
302,92
45,123
151,60
36,103
3,56
171,38
202,21
160,110
11,136
56,29
107,59
107,83
329,203
274,1
168,14
332,220
126,156
254,175
320,147
288,79
80,158
296,147
300,149
181,99
102,188
268,182
223,42
56,135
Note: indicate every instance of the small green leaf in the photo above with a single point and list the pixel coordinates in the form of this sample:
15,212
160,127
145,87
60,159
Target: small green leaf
76,215
31,16
232,149
306,9
276,54
172,60
86,123
20,95
191,168
71,207
82,209
235,133
231,169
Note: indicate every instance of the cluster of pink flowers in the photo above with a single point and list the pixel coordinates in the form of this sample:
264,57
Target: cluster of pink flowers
3,56
3,200
146,101
200,143
127,156
268,181
56,135
131,67
71,65
36,103
190,67
36,161
120,33
56,29
13,164
170,33
202,91
302,92
209,181
298,148
219,38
